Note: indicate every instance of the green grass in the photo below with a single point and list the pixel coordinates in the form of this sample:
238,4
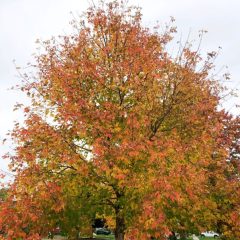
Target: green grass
207,238
108,237
111,237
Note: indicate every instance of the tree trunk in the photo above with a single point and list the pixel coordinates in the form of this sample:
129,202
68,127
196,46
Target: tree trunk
120,228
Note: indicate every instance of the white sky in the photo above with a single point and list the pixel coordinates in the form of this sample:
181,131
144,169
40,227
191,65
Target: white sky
23,21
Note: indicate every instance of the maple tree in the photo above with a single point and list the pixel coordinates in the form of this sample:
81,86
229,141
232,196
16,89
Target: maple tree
118,128
224,182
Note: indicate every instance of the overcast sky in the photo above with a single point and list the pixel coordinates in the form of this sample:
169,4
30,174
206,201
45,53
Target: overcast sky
24,21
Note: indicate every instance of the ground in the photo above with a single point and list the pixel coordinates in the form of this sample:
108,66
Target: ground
111,237
105,237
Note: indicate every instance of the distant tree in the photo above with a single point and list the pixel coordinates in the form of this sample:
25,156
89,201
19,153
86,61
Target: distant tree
119,128
224,182
233,131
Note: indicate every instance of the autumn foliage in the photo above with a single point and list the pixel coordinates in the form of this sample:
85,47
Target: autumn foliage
120,129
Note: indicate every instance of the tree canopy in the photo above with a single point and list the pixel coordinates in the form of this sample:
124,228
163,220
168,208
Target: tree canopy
119,129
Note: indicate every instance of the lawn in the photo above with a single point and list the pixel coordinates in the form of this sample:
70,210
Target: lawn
109,237
207,238
105,237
